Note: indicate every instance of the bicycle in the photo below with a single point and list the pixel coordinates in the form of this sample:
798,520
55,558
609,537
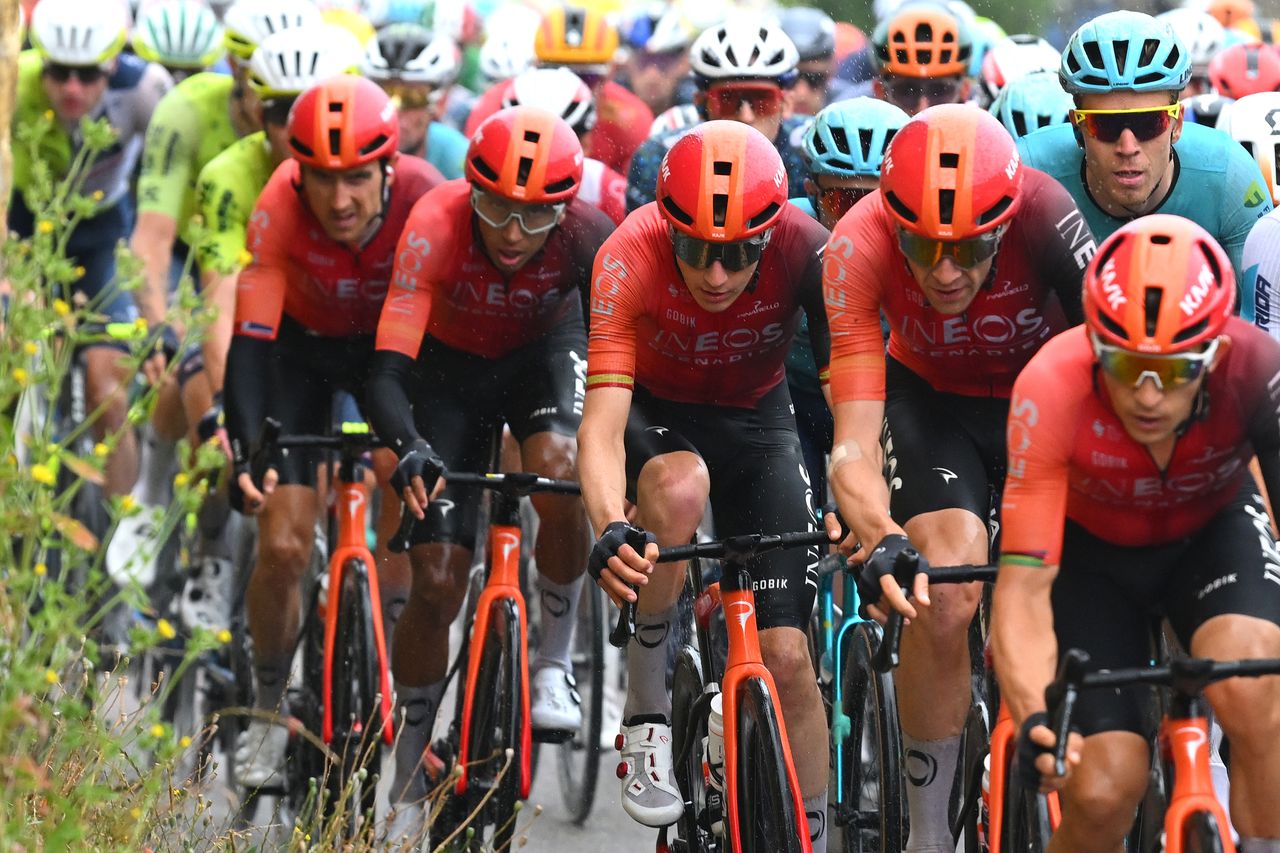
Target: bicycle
344,700
761,808
1193,818
491,733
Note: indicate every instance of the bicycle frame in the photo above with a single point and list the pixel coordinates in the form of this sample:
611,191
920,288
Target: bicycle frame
832,640
1003,751
1184,740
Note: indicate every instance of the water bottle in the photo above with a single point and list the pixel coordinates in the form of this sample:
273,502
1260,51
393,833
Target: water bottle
714,764
984,807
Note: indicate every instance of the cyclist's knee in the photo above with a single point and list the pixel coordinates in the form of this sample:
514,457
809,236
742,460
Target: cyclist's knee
105,383
284,555
673,490
1103,799
951,610
440,573
1247,708
550,454
786,654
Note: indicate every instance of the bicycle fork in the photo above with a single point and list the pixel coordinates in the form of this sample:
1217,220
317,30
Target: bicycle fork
1184,740
352,501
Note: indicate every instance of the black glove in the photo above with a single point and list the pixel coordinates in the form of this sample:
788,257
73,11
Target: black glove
1028,751
616,534
420,461
212,420
883,561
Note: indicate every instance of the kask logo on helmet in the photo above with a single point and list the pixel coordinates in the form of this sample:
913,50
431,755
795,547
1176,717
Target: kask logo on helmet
1195,298
1110,287
1012,169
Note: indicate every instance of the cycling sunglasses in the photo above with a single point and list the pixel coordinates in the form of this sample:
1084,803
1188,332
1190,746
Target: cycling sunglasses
1146,122
497,212
409,96
906,92
663,60
726,99
927,252
815,79
1167,371
734,257
275,111
835,202
86,74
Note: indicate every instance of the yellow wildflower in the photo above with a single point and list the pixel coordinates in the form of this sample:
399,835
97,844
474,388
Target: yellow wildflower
185,742
166,629
180,479
43,474
224,636
44,226
127,503
41,570
61,308
50,676
20,376
100,450
157,731
30,348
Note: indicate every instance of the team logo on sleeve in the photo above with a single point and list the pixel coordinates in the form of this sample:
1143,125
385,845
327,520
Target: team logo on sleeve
1254,196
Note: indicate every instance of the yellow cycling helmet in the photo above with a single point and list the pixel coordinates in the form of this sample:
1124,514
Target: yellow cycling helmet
573,35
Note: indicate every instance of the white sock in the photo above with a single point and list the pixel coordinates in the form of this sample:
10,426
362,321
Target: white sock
416,709
815,809
930,771
1218,770
559,603
1260,845
156,466
647,666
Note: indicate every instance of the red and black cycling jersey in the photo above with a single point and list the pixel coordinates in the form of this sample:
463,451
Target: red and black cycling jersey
444,284
646,328
1032,293
1070,456
297,269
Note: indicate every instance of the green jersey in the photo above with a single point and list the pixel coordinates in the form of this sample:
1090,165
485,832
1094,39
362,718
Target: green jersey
228,190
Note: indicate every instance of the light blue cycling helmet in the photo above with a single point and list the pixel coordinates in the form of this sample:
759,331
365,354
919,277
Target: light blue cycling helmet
848,138
1032,102
1124,50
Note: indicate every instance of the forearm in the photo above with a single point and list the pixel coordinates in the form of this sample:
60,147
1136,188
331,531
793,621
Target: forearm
857,481
1023,644
152,242
390,411
602,467
246,391
219,294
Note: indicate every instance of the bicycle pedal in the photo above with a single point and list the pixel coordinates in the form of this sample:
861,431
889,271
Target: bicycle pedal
553,735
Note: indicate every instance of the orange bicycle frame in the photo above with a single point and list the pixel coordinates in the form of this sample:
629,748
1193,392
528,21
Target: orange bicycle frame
1003,754
1185,742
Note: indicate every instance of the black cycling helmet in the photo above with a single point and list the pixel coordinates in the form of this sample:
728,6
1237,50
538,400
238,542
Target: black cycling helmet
813,31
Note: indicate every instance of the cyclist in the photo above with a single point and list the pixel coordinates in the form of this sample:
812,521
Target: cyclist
559,91
1129,496
418,69
922,54
694,302
1247,122
76,72
1244,69
483,325
508,49
843,148
182,35
974,261
1128,153
1202,36
814,34
1013,58
322,237
745,72
1204,109
1032,102
657,66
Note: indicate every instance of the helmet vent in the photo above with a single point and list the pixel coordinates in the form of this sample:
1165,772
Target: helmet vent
819,145
1113,327
523,168
297,145
335,141
899,208
484,169
335,106
1093,52
924,32
722,167
1020,124
677,212
560,186
1251,58
1151,298
994,212
946,206
764,216
1211,261
719,209
532,136
949,160
378,141
1192,331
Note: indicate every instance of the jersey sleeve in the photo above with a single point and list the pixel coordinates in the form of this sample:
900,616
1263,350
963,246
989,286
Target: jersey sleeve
617,277
1041,424
168,156
1058,239
854,268
1262,273
642,176
424,247
261,286
813,239
1244,201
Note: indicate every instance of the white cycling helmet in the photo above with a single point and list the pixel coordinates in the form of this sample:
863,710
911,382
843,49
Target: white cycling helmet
1014,57
744,48
179,34
675,118
249,22
1199,32
507,53
72,32
288,63
1249,122
557,90
410,52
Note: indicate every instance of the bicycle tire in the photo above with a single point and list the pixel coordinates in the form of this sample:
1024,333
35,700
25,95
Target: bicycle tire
579,757
496,723
975,745
875,818
1026,824
1201,833
304,762
687,688
356,699
767,817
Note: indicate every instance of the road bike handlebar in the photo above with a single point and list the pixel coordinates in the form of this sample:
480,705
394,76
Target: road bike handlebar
735,550
514,484
1187,676
887,656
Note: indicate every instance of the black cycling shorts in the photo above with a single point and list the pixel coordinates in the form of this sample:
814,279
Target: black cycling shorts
941,451
306,372
460,401
759,484
1107,598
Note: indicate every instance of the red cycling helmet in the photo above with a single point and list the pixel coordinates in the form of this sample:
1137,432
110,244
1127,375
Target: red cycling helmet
1159,284
526,154
1245,69
951,173
343,123
722,182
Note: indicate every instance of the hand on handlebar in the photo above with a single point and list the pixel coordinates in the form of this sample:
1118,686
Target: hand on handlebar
1035,754
417,474
838,530
877,580
617,562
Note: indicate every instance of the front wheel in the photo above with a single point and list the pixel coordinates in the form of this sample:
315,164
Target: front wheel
688,730
1026,825
1201,833
580,755
767,817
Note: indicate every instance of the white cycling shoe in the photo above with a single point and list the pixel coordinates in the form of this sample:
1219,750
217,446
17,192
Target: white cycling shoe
649,792
554,704
406,826
134,549
206,597
260,752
